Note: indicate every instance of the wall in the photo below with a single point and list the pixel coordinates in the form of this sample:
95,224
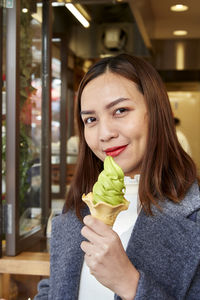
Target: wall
186,107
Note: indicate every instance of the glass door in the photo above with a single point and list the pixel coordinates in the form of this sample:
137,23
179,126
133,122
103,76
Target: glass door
30,118
27,124
1,119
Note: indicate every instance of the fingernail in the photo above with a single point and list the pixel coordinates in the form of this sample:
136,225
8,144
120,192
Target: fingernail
87,220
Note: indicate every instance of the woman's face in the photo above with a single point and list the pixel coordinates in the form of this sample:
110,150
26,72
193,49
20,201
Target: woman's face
115,121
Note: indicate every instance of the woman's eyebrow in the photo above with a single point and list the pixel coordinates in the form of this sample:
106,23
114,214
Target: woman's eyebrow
109,105
87,112
115,102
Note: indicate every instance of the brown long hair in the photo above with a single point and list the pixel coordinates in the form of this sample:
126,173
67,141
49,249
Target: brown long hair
167,170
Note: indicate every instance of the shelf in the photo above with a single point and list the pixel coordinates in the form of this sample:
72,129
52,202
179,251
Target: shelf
26,263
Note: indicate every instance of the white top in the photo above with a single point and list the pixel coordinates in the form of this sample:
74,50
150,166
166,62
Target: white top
183,141
90,288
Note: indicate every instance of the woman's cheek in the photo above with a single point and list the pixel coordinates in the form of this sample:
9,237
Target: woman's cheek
89,138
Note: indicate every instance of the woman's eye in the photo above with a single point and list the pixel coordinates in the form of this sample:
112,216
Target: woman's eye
89,120
120,111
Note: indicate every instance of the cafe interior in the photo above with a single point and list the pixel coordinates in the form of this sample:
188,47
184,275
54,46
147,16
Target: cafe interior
46,47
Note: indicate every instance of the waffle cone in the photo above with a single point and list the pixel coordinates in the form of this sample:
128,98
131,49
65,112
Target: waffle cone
104,211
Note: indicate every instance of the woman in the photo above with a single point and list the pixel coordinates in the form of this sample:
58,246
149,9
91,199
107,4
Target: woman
123,111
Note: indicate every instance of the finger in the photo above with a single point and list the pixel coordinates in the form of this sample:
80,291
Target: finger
91,235
91,252
96,225
87,248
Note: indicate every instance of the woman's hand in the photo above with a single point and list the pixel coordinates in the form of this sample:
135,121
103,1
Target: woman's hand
107,260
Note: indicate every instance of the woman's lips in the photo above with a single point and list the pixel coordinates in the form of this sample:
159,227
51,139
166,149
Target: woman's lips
115,151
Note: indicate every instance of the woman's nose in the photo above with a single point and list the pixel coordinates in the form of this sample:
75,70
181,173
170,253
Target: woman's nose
107,131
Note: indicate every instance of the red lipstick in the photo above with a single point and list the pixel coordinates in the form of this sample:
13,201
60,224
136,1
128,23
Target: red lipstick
115,151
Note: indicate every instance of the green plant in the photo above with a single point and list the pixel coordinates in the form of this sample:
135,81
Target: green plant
26,72
26,89
25,163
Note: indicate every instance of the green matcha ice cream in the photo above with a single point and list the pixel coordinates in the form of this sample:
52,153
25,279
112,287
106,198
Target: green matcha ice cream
110,186
107,199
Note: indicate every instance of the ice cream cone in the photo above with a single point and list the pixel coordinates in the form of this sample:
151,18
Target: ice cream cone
104,211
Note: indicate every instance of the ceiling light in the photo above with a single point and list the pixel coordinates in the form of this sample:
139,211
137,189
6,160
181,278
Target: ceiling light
179,7
83,11
56,40
55,4
24,10
77,15
180,32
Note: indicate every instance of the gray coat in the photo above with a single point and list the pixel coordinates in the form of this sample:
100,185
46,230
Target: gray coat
165,249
